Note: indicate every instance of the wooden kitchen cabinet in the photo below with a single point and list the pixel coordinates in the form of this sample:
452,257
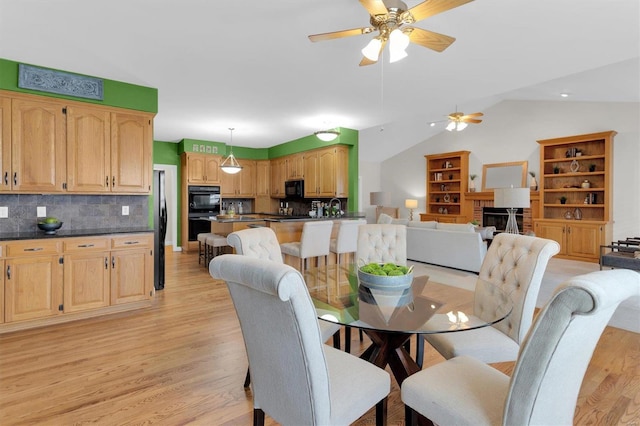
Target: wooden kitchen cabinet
202,169
86,273
5,143
38,146
263,178
88,149
131,152
241,184
326,172
295,166
33,280
278,177
578,240
131,268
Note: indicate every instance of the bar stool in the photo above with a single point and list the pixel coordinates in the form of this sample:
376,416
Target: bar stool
347,239
213,246
314,242
202,241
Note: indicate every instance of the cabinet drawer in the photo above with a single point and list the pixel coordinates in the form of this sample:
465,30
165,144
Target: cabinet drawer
21,248
76,245
132,241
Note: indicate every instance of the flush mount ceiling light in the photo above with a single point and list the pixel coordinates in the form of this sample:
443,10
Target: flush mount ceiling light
391,19
230,164
327,135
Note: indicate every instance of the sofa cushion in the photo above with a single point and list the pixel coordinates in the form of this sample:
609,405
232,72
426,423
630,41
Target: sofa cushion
404,222
431,224
457,227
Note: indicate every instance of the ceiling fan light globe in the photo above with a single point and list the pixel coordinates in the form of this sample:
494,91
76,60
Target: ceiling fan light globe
398,40
461,126
451,126
372,50
395,56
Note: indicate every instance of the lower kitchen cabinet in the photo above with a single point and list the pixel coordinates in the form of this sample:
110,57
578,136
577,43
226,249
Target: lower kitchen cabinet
33,280
56,280
578,240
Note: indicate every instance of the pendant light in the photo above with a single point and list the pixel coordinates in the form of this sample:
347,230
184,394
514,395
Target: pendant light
230,164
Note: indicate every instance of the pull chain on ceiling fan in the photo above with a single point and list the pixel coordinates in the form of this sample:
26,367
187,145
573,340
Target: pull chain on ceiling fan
388,18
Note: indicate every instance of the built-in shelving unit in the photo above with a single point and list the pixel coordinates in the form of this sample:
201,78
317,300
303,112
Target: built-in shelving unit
575,193
447,179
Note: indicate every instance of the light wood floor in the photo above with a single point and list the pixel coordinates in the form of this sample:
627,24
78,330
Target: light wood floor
183,362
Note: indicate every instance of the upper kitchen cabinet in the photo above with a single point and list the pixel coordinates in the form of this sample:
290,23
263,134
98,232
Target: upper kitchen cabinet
202,169
38,146
108,151
295,166
5,143
326,172
278,177
242,184
263,178
131,145
88,149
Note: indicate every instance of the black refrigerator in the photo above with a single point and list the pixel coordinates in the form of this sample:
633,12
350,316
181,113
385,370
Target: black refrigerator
160,227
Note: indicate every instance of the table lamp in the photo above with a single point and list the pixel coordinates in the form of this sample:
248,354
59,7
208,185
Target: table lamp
379,199
411,204
512,199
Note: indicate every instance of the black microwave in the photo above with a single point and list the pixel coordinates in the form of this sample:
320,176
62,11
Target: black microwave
294,188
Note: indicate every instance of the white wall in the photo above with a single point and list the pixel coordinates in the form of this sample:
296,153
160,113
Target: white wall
509,132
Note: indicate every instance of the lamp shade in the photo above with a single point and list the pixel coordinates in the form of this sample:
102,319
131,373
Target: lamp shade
511,197
411,204
379,198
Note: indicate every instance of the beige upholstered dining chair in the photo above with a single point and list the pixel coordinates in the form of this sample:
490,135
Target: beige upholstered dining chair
314,242
346,240
516,264
549,370
382,243
262,243
296,379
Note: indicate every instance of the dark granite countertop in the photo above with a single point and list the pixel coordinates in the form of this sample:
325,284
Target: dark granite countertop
37,234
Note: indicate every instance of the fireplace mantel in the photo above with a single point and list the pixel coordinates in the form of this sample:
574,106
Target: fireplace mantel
475,201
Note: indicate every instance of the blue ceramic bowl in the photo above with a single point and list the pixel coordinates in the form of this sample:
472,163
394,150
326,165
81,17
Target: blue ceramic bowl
50,228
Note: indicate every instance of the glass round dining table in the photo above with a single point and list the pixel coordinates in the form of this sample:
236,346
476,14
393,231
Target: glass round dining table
390,317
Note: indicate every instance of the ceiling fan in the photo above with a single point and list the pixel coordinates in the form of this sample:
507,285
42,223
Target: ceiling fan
388,17
458,120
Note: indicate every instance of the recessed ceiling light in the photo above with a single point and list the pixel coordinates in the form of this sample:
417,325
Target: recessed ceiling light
564,95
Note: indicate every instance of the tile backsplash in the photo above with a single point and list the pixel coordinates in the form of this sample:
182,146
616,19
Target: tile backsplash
76,211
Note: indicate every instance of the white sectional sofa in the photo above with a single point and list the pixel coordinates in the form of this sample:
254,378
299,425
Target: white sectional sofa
454,245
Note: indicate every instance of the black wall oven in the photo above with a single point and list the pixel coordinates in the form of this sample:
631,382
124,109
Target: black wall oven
204,202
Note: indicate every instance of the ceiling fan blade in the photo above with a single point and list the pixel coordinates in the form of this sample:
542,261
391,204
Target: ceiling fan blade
340,34
374,7
366,61
429,39
470,120
475,114
433,7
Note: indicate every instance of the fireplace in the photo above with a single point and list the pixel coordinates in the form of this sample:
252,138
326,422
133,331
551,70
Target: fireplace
497,216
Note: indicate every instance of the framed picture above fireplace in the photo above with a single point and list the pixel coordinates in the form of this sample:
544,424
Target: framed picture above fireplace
504,175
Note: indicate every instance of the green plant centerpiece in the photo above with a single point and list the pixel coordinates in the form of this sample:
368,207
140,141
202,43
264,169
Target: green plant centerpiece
385,275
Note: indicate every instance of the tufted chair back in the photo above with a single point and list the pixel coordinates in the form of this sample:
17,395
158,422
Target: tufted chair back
382,243
260,243
516,264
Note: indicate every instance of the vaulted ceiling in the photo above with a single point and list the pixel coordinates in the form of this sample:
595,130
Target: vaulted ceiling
248,64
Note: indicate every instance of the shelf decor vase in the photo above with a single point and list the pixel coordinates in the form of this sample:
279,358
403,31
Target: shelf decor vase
575,166
534,184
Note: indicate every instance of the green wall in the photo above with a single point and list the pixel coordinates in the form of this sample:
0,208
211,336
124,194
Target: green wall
116,93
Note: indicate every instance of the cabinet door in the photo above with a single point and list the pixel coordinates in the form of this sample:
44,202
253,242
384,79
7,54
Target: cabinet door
33,287
295,167
38,146
327,173
211,169
195,169
247,179
5,144
2,292
584,240
311,185
553,231
278,172
342,172
128,273
131,145
86,281
88,149
263,178
229,184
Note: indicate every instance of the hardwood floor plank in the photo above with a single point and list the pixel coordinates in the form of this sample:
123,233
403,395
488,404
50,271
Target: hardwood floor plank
182,362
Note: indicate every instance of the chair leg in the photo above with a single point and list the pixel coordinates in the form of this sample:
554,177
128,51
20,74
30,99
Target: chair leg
419,350
347,339
361,335
199,251
258,417
381,412
336,339
247,379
